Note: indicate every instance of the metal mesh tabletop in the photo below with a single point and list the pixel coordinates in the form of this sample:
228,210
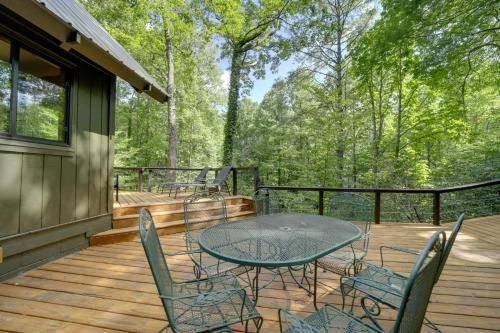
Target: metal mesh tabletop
277,240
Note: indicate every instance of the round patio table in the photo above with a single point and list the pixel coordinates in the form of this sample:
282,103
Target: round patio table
277,240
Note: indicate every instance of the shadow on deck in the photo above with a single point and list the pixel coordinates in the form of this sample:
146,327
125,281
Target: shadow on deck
109,288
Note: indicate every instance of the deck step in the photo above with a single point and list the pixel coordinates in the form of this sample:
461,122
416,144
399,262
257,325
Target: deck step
169,218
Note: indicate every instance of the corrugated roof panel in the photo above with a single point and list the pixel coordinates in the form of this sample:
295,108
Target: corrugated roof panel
73,13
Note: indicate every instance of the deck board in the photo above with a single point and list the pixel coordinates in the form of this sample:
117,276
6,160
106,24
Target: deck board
110,288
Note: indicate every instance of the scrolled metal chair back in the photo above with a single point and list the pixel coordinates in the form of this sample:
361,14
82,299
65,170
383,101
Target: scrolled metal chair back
449,244
354,207
419,287
154,253
266,202
202,207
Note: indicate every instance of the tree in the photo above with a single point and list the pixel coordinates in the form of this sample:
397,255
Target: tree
247,28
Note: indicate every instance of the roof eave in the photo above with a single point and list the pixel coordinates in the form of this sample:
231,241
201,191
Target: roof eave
52,25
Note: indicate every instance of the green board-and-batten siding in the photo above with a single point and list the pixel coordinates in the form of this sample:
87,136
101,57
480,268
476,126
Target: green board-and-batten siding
57,201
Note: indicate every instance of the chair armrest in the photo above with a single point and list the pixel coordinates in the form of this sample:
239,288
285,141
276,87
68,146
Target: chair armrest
372,284
206,299
293,323
397,248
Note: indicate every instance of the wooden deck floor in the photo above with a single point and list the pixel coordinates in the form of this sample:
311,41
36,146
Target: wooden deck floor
109,288
127,198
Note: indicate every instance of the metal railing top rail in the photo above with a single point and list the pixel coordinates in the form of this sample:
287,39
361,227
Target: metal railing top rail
436,192
385,190
180,169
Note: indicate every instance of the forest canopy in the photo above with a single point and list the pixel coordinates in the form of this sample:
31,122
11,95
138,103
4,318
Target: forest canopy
384,93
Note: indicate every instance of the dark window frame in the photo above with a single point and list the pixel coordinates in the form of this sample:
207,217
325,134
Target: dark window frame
15,47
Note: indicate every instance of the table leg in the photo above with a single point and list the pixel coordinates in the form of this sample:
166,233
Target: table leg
255,285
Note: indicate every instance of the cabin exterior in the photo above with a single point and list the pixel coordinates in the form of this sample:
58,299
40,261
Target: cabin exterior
58,70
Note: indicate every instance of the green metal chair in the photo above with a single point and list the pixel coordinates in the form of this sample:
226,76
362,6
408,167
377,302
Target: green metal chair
349,207
266,202
204,207
386,286
201,305
412,307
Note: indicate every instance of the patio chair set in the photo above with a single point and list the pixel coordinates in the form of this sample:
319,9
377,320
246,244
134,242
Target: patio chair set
200,182
216,301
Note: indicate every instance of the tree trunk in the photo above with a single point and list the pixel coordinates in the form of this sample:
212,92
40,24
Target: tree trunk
400,107
232,107
339,87
171,111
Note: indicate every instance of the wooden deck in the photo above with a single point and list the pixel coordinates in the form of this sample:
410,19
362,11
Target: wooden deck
128,198
109,288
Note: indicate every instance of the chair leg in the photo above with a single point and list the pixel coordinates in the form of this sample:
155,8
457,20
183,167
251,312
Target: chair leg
431,325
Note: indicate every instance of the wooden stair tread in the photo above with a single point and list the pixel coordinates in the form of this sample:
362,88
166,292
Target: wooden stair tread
170,223
175,201
177,211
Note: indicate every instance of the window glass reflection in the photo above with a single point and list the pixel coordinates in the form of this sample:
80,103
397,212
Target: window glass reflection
41,98
5,84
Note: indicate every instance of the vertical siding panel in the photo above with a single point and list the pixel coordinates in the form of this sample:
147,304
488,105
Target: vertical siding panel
95,145
31,192
10,193
51,199
111,140
104,149
83,145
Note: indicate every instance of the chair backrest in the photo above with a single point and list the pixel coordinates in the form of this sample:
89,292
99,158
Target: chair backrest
202,176
154,253
266,202
222,175
419,286
199,207
449,244
353,207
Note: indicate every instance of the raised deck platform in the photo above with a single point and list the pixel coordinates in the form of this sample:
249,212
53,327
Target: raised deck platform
168,213
109,288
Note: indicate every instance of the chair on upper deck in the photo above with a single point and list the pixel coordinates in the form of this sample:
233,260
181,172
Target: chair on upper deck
356,208
198,182
412,306
386,286
220,181
200,305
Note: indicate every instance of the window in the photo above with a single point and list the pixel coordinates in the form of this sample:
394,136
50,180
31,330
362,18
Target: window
33,95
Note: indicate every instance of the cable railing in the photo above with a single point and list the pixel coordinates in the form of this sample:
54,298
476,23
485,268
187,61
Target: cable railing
420,205
428,205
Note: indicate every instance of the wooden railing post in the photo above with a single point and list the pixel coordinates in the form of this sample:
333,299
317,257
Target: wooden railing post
321,202
256,178
377,207
139,180
437,208
150,179
235,181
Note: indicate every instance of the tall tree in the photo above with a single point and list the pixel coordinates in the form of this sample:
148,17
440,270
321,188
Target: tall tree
247,28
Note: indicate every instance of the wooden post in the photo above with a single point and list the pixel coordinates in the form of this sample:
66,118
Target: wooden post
139,180
377,207
256,178
235,181
437,208
321,202
150,179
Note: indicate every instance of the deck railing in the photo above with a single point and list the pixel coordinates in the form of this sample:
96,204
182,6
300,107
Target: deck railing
428,204
436,195
243,180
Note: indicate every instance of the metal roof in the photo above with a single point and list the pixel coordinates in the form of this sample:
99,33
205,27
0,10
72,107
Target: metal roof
95,42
